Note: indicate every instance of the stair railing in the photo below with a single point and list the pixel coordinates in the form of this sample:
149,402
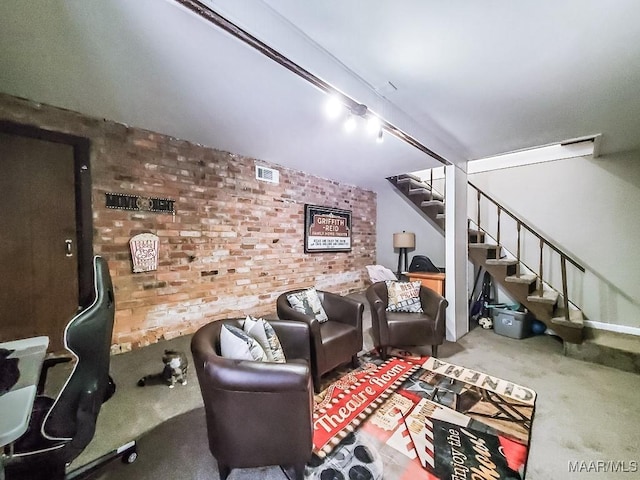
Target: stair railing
564,258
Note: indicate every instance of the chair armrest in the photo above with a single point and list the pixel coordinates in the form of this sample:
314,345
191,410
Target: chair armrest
434,305
376,303
294,338
286,312
378,306
343,309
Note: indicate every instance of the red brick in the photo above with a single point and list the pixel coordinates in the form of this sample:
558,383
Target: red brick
245,237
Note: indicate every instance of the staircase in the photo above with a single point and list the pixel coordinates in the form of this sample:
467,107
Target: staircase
522,284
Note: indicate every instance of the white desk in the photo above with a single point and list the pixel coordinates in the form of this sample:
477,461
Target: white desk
17,403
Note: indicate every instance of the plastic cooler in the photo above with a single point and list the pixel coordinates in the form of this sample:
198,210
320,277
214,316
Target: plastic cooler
511,323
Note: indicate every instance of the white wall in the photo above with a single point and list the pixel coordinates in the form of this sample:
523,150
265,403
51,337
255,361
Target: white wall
395,214
591,209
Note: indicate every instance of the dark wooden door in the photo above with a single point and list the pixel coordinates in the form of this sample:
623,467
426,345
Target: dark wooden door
38,246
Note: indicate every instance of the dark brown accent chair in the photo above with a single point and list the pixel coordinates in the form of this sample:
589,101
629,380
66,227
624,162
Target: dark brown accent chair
257,413
406,329
334,342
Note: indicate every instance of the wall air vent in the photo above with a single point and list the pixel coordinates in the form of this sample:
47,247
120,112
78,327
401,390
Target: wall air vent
267,174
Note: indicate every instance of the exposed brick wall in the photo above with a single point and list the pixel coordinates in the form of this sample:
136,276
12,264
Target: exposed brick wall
234,244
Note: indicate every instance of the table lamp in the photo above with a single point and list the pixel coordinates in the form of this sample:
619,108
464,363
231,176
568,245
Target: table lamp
403,241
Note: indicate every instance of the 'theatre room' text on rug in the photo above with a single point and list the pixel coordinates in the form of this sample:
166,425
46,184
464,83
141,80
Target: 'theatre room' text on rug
419,417
352,399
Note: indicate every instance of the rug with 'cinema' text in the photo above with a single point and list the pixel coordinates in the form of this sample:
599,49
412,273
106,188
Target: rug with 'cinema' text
420,417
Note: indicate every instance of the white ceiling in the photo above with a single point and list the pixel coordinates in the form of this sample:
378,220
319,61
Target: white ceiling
473,78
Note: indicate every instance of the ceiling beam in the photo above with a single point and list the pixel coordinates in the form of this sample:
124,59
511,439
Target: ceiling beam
211,16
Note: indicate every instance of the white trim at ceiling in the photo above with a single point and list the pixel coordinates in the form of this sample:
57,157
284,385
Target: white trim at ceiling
579,147
582,147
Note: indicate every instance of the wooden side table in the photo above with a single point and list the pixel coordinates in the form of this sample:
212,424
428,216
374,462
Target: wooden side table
434,281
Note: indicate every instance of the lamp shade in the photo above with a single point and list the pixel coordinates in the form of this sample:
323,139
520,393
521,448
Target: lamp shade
404,240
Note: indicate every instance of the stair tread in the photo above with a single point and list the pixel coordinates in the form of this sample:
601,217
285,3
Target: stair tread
485,246
404,180
421,193
408,176
431,203
576,319
523,278
549,296
502,261
413,183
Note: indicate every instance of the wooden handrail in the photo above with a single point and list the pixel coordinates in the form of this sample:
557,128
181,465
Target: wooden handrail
530,229
519,224
543,241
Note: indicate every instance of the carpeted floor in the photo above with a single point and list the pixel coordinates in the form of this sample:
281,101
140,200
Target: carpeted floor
178,449
585,413
374,449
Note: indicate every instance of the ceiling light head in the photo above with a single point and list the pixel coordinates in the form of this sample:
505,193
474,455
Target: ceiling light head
333,107
373,124
350,123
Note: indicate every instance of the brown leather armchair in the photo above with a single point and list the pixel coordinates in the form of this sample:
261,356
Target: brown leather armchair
257,413
334,342
406,329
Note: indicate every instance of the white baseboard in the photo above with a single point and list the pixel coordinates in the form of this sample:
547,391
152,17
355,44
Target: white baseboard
612,327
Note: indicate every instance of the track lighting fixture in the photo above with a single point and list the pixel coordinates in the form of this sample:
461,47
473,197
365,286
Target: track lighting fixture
334,108
350,123
373,124
359,110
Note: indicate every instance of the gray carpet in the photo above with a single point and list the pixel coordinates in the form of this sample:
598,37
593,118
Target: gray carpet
584,412
178,449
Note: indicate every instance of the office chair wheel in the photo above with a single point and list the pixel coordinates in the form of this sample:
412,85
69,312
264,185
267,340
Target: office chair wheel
129,456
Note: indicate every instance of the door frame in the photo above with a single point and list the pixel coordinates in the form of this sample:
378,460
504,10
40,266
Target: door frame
82,179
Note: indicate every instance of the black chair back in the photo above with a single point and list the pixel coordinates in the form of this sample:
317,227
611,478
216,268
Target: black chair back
88,337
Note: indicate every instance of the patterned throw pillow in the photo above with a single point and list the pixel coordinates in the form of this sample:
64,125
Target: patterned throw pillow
236,344
308,302
404,297
266,336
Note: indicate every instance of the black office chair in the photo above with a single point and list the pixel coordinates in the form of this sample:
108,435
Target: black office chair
61,428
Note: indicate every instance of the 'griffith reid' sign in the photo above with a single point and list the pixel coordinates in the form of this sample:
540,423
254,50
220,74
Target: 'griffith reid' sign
326,229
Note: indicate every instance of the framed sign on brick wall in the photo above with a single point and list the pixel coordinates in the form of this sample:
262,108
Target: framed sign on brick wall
326,229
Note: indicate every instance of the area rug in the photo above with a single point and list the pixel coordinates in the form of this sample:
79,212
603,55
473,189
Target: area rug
352,398
420,417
